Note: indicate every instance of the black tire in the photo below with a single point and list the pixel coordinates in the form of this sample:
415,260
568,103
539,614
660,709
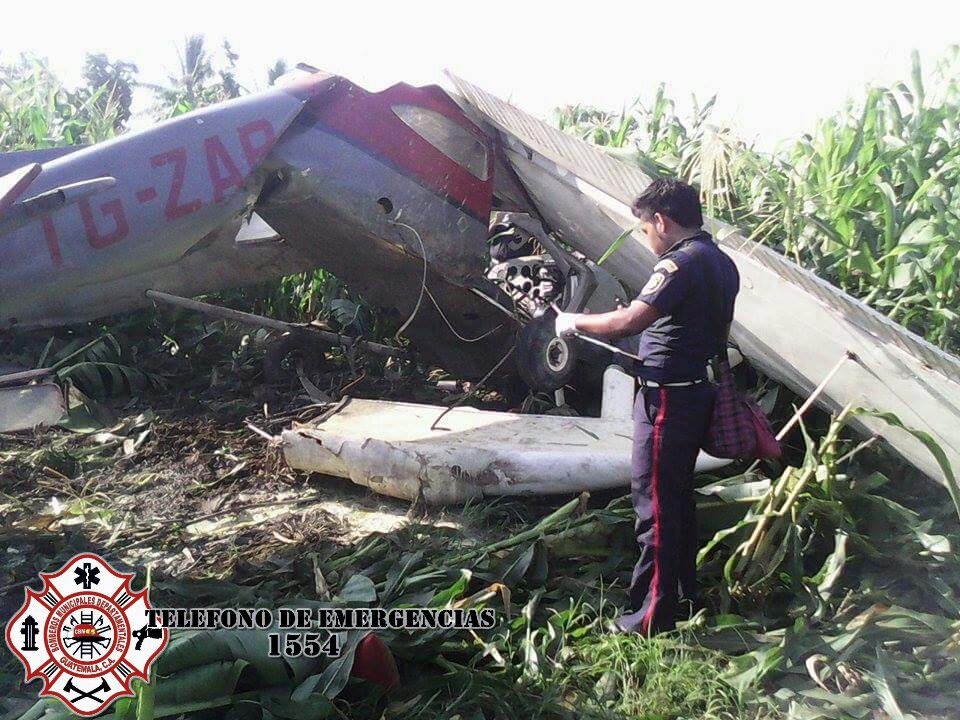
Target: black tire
544,361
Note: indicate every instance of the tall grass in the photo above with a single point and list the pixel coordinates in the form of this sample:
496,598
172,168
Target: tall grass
39,111
868,200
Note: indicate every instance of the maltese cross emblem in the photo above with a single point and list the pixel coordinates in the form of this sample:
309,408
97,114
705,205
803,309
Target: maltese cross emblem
85,634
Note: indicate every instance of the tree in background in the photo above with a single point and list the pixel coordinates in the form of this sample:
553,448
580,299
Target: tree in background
118,80
276,71
38,111
199,83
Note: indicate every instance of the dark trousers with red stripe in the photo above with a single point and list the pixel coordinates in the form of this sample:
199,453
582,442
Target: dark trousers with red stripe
669,427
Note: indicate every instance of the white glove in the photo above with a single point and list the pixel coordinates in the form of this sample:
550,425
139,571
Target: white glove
566,324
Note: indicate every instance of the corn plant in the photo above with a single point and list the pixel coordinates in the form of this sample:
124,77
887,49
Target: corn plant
38,111
872,200
863,589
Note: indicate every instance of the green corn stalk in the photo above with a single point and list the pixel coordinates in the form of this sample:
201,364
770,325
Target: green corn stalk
868,200
38,111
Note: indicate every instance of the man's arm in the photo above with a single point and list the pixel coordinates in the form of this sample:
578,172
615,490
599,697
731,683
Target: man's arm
666,288
623,322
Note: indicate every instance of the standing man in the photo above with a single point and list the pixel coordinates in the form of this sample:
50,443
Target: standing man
684,312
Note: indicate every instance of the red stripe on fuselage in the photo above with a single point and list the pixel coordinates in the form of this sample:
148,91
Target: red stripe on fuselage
367,119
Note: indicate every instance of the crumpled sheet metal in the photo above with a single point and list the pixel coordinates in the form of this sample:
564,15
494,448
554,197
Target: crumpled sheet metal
791,324
390,448
24,407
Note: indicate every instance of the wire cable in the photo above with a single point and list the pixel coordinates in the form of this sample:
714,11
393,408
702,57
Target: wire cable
423,280
453,329
483,296
473,391
425,289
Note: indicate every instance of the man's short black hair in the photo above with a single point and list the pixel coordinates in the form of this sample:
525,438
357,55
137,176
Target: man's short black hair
677,200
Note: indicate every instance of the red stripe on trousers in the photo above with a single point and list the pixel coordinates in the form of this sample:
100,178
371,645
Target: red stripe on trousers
655,581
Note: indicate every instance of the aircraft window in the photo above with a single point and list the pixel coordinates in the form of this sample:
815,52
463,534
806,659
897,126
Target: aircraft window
447,136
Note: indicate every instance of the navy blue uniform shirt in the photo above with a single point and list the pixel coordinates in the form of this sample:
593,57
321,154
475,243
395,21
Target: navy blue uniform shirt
693,286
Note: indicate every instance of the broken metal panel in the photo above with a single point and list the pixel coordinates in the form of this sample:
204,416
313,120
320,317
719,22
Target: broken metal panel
452,326
177,183
362,164
790,323
14,184
24,407
255,229
392,448
343,198
391,278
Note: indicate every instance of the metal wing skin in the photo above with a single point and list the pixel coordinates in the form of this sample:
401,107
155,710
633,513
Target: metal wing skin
332,168
381,188
34,208
14,184
12,161
790,323
175,185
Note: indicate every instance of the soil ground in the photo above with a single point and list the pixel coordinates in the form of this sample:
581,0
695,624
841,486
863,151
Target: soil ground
182,484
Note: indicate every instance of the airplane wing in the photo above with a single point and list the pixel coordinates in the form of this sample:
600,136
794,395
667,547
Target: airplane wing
793,325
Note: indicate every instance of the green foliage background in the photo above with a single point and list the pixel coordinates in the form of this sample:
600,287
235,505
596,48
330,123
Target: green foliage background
832,599
868,199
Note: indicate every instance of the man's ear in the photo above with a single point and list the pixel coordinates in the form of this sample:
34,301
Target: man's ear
660,222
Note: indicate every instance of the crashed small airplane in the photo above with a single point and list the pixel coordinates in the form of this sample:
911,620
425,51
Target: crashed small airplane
454,209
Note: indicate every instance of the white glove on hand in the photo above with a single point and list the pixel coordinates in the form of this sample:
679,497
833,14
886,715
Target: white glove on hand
566,324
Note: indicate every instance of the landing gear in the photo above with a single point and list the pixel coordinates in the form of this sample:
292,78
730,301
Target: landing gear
540,275
545,362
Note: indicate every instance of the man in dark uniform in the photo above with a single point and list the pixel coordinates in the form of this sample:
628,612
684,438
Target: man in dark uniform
684,313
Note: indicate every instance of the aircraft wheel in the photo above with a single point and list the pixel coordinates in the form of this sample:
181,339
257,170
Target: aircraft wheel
544,361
